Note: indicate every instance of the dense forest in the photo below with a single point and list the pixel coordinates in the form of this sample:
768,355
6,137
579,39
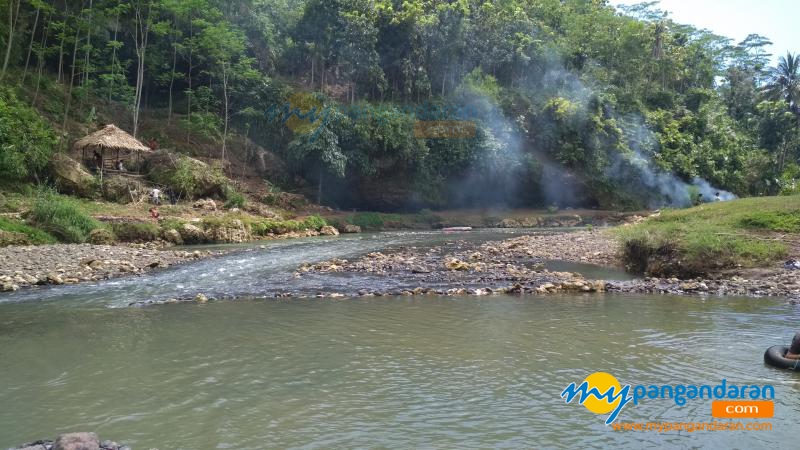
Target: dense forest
576,103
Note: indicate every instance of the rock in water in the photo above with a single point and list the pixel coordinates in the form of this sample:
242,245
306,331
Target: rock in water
351,229
328,230
77,441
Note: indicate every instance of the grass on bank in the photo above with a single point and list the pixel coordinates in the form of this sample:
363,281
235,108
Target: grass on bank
743,233
31,235
62,217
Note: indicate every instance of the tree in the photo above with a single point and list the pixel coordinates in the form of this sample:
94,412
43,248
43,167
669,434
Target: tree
784,82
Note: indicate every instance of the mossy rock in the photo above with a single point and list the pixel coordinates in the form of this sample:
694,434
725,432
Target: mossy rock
70,177
101,236
120,189
188,176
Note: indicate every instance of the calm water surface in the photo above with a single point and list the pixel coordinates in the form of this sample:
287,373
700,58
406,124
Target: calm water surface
375,373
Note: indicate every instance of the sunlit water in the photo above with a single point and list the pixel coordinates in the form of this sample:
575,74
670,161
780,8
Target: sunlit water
372,372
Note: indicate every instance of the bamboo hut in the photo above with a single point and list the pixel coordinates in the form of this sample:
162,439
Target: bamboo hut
106,148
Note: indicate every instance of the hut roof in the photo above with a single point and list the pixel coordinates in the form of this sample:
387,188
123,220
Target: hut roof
110,138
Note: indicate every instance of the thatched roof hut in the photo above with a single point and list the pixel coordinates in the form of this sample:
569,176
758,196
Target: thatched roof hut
109,139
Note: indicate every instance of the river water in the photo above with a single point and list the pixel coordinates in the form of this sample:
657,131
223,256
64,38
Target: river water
390,372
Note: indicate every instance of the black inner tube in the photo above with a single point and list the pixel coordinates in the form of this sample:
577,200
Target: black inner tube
776,356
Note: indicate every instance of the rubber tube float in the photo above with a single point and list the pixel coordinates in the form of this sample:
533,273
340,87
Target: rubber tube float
775,356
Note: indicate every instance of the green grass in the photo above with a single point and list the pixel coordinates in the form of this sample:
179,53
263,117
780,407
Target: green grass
695,241
33,235
136,231
62,218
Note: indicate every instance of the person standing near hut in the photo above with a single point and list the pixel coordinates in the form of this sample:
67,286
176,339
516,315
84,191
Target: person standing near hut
155,196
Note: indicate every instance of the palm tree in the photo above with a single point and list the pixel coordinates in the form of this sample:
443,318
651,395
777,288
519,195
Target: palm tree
784,82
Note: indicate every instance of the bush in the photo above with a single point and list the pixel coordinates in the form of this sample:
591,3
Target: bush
314,223
233,198
32,235
62,218
136,231
26,141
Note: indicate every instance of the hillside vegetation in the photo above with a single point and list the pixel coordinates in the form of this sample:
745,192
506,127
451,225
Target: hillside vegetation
574,102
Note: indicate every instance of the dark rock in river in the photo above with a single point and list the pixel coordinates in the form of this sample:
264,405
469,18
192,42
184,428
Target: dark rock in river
74,441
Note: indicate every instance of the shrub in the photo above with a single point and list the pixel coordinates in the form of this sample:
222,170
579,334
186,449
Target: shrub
26,141
233,198
62,218
314,222
32,235
136,231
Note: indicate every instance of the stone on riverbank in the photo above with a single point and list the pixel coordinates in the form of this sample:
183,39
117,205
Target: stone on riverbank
328,230
351,229
192,234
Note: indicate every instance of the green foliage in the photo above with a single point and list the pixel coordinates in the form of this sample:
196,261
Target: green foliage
314,222
32,235
233,198
62,217
136,231
26,141
786,221
584,91
373,221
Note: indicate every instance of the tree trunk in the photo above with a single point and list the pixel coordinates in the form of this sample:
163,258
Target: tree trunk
114,58
227,112
40,62
68,95
141,33
85,80
319,187
30,45
12,21
172,78
191,93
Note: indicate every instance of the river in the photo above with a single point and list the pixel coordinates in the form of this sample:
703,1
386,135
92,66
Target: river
389,372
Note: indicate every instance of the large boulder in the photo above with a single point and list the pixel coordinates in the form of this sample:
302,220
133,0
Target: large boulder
121,189
192,234
231,231
70,177
172,236
77,441
185,175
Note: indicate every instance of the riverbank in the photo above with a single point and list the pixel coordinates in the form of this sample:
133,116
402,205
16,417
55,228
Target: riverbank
25,266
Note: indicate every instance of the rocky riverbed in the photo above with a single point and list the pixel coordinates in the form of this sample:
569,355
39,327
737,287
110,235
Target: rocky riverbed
515,266
24,266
